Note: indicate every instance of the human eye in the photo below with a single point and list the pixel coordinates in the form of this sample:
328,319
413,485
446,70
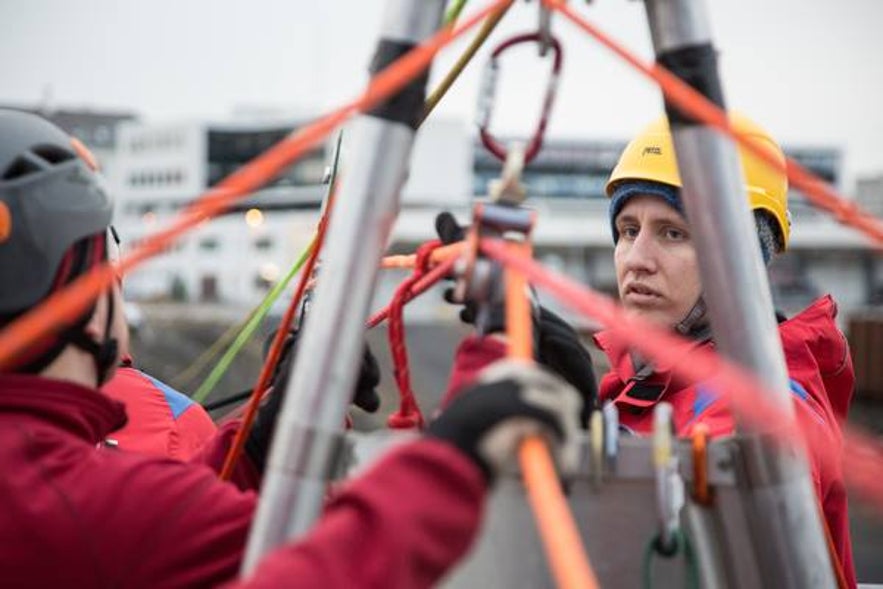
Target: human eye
628,230
675,234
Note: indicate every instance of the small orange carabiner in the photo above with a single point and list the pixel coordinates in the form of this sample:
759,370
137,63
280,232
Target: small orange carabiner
701,490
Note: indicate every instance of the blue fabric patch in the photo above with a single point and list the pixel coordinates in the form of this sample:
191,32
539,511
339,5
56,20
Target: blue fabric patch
178,402
798,390
704,398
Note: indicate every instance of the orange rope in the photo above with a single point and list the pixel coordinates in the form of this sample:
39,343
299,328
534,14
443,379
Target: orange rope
518,321
688,100
564,547
63,306
257,393
438,256
836,564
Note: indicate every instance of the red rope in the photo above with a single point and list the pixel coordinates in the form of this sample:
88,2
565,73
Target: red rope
263,382
417,288
408,416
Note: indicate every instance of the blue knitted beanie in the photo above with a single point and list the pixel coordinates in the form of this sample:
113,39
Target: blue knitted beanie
625,190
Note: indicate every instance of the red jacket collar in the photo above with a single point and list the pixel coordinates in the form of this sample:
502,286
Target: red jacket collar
84,412
811,333
620,359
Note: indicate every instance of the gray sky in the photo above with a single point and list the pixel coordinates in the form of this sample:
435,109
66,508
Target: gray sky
807,69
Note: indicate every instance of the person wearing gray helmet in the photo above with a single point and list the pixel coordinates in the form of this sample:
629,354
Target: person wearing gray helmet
76,514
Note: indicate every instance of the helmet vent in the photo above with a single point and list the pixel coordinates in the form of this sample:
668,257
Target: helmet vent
39,158
21,167
53,153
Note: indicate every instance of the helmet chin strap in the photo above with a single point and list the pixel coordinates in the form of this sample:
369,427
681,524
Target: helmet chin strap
103,354
695,324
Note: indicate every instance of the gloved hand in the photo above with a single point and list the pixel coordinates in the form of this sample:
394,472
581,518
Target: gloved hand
364,397
488,317
556,343
511,400
559,348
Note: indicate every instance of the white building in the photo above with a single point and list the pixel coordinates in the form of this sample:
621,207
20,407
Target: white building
155,169
236,257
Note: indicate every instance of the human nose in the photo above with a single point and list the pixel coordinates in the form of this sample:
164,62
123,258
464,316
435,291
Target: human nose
640,257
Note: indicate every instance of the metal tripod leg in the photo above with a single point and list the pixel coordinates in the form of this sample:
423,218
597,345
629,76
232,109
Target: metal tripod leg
318,394
785,523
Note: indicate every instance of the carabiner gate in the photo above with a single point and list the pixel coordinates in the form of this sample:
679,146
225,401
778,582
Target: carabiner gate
488,91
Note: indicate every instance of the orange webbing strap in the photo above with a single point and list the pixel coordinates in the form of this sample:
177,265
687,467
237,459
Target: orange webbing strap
564,547
66,304
688,100
275,352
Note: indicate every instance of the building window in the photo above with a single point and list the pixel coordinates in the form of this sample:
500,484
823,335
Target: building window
229,150
209,244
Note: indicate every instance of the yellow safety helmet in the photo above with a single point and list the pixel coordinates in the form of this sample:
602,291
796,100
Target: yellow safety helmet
651,157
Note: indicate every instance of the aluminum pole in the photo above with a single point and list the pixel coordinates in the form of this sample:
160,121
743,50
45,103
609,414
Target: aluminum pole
311,420
785,522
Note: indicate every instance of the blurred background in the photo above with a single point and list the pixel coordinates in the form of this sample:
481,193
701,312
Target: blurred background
173,96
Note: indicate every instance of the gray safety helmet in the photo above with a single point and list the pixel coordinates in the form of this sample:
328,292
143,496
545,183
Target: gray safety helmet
51,196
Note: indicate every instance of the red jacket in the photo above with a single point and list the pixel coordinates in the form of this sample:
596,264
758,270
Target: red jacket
79,515
162,421
822,380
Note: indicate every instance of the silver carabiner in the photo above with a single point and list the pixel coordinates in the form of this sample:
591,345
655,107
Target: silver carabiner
669,485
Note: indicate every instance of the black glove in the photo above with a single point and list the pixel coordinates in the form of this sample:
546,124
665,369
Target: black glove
489,317
512,400
364,397
556,343
559,348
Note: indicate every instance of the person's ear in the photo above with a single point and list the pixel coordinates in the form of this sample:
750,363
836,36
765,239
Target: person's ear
94,328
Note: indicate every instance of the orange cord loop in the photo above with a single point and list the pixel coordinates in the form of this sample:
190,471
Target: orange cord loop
408,415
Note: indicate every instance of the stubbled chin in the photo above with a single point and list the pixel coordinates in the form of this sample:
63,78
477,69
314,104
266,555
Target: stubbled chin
653,316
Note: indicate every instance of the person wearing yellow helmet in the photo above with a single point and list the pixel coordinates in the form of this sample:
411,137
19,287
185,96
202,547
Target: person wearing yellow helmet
658,280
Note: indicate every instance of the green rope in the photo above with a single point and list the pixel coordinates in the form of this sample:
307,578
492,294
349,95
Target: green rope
453,12
486,29
682,544
250,326
183,380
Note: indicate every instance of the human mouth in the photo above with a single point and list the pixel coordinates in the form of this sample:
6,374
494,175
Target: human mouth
640,294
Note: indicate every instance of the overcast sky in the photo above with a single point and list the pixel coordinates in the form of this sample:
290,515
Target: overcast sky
809,70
